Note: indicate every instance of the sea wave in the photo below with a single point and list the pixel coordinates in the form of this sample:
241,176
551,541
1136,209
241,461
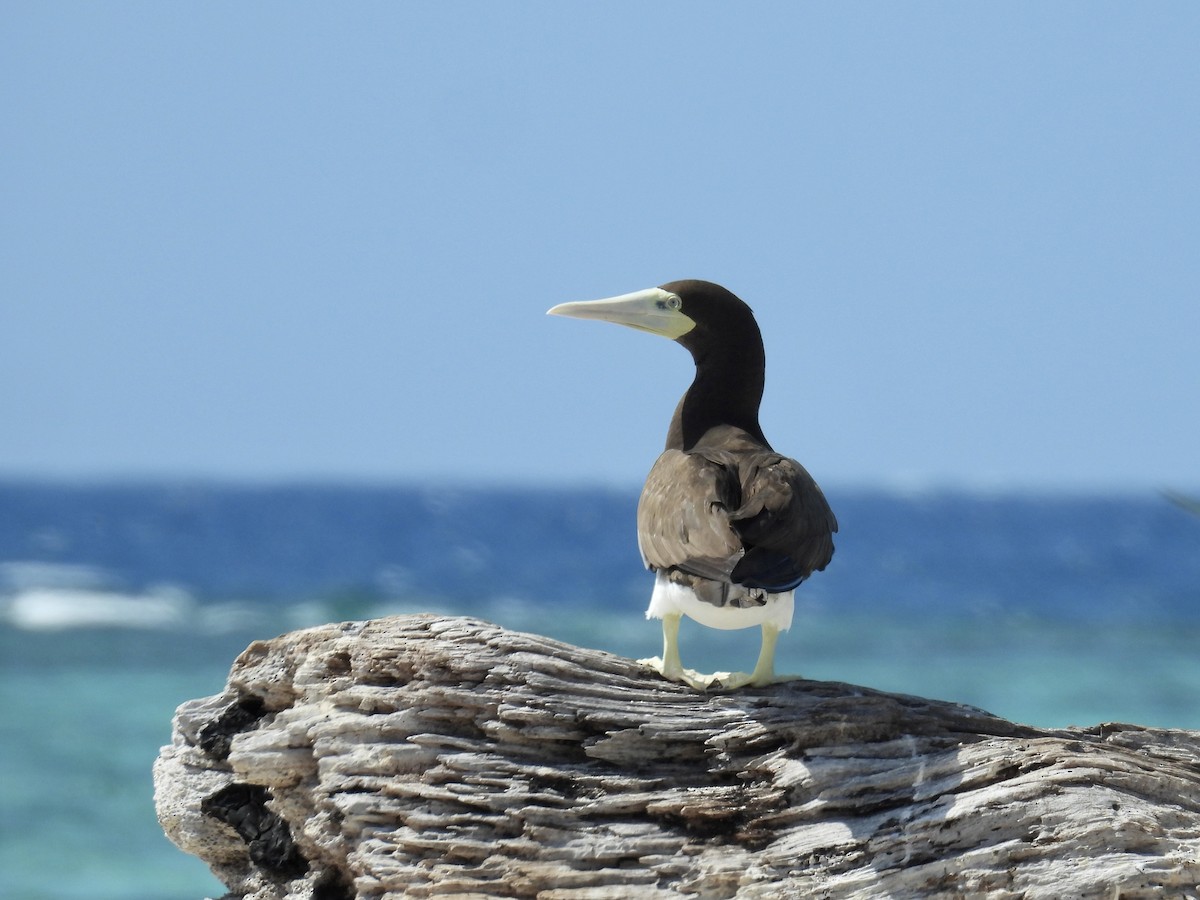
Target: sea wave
52,609
171,608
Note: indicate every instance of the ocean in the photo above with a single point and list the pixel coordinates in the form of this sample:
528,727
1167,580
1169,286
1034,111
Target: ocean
120,601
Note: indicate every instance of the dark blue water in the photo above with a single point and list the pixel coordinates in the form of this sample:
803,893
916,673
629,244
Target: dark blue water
118,602
1128,558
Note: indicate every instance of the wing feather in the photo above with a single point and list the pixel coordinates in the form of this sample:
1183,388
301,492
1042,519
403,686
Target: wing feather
683,516
784,522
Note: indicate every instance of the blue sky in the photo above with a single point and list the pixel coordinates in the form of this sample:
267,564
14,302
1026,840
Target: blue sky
279,240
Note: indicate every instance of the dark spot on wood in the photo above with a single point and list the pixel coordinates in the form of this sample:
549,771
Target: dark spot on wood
243,807
217,735
332,885
563,785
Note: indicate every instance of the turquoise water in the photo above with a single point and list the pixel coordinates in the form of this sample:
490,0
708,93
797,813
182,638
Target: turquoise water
76,746
116,605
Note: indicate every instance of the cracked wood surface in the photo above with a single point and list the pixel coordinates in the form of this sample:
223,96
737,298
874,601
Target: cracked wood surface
421,756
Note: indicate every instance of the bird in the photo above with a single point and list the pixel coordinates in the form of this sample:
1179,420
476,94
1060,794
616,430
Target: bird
729,526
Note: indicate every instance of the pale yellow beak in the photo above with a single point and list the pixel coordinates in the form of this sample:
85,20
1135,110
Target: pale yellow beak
653,310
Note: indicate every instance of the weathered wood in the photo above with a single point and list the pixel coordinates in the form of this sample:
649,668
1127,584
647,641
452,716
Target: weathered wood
445,757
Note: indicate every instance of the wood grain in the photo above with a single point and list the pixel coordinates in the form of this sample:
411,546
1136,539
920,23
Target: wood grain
422,756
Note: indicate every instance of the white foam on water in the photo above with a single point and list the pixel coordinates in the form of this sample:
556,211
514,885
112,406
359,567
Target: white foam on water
54,609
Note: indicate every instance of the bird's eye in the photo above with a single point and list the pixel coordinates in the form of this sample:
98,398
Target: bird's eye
674,303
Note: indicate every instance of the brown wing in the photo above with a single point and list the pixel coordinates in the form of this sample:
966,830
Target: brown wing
744,515
784,521
684,516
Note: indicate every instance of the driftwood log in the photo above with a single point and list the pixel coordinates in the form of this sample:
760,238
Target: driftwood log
446,757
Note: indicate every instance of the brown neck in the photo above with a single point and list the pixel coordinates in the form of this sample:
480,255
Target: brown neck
727,390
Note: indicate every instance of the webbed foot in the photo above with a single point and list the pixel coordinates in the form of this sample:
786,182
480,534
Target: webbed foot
690,677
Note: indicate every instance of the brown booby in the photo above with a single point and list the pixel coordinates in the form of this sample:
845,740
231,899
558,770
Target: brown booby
729,527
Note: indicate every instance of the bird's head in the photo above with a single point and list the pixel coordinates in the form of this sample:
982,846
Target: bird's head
694,313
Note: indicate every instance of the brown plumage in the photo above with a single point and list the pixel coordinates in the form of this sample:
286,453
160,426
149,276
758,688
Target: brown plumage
731,511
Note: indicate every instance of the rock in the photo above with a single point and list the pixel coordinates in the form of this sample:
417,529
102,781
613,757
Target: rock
421,756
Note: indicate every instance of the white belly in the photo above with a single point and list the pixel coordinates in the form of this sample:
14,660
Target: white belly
670,598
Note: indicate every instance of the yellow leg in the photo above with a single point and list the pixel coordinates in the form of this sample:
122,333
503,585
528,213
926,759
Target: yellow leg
669,665
764,669
672,665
